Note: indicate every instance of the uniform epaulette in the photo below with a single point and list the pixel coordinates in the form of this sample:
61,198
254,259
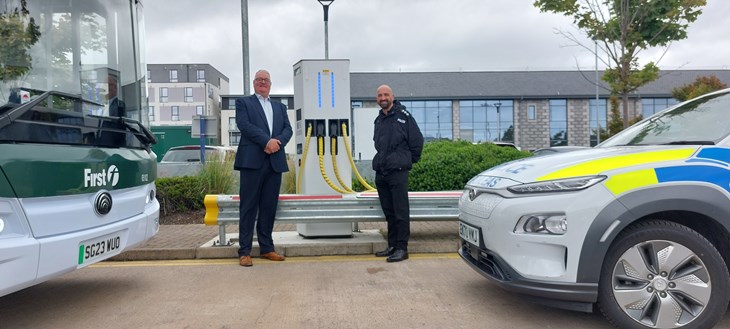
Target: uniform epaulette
404,111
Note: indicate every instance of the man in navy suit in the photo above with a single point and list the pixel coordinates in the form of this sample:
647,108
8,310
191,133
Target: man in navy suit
265,130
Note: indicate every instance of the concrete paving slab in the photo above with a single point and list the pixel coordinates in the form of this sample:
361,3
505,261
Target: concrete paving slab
290,243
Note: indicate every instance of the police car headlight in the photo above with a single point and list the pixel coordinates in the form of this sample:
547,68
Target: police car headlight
543,224
559,185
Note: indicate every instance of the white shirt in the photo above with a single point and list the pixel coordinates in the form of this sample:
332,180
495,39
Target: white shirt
268,111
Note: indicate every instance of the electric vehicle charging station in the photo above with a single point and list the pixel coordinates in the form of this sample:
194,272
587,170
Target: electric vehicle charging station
322,103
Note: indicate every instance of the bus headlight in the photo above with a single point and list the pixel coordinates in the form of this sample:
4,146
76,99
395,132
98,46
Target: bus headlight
10,221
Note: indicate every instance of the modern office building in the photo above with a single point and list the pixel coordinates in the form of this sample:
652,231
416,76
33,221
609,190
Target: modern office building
177,92
533,109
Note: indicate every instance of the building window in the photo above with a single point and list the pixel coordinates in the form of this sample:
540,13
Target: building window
200,75
597,120
356,104
231,103
199,110
285,101
232,124
558,122
175,113
433,118
149,76
173,75
486,120
649,106
163,94
531,112
234,137
188,94
151,112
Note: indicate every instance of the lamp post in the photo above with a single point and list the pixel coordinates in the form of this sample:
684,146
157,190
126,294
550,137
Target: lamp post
326,6
499,121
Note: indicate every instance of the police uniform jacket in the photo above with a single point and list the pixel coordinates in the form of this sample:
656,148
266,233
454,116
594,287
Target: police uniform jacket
398,141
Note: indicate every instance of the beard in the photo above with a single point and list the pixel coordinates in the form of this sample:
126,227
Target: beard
384,104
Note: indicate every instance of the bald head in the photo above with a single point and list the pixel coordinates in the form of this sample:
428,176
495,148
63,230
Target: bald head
385,97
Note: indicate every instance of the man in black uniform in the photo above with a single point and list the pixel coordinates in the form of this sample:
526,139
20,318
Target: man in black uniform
398,143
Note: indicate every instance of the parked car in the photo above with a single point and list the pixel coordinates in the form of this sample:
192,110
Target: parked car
637,226
185,160
557,149
502,144
191,153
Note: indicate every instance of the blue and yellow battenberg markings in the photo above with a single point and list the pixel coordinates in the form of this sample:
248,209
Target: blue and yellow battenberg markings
710,165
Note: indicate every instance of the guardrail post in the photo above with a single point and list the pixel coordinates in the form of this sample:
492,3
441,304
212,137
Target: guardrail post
222,241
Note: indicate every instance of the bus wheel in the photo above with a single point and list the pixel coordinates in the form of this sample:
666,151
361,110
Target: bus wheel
660,274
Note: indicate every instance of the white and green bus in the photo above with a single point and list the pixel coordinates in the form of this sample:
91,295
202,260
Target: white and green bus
76,169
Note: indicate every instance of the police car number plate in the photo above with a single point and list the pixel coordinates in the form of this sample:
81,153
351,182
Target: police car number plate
102,247
469,233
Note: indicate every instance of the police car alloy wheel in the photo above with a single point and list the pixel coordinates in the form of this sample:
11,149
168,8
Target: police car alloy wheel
660,274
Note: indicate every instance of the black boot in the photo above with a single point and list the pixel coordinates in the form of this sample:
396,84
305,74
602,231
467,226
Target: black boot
387,252
398,256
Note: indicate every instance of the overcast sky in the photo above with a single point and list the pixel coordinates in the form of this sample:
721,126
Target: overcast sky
397,35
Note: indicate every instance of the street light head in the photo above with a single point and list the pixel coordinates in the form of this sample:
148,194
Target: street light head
326,2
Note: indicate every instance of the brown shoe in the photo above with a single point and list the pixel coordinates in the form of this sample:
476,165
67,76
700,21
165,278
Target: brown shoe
245,261
273,256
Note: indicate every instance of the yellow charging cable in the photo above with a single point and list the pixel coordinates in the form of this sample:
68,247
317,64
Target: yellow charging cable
303,159
333,152
352,162
320,153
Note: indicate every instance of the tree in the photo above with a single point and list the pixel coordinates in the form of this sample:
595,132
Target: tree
18,32
623,28
702,85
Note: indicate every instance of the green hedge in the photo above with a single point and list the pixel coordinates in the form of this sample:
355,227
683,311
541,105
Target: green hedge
448,165
180,194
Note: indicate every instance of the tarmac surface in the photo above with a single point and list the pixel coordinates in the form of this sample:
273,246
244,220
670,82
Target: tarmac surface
198,241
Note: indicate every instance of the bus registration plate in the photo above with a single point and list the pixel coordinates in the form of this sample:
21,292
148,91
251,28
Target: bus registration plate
469,233
99,248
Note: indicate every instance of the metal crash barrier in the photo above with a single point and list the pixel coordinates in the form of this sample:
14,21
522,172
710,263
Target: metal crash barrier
223,210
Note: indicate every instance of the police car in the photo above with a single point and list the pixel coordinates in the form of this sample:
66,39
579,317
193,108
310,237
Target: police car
638,226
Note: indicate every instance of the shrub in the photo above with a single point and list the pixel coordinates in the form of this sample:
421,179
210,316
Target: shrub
448,165
217,176
289,178
179,194
358,187
186,193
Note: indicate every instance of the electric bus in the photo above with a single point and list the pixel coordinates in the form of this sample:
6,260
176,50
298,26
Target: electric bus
76,168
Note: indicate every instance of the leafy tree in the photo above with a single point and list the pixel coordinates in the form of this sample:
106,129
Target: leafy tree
18,32
702,85
615,122
623,28
509,134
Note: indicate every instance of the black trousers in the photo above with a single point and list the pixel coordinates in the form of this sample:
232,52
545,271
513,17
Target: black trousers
259,192
393,194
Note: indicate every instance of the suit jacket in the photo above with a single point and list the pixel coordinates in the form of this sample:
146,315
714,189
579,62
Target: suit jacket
254,128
